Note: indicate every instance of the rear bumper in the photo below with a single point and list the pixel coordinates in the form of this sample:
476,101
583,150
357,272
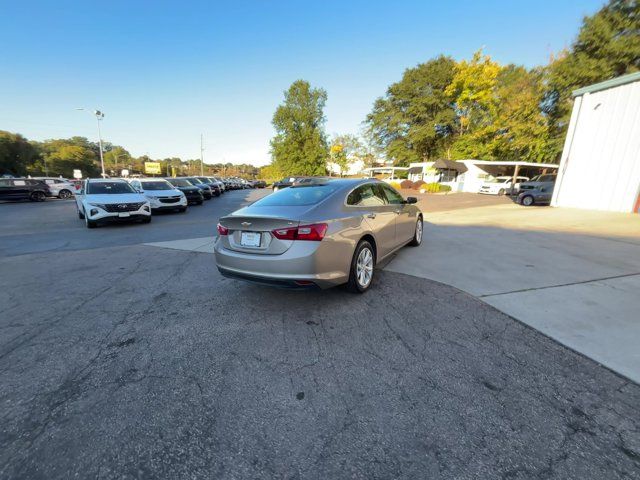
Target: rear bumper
302,262
269,282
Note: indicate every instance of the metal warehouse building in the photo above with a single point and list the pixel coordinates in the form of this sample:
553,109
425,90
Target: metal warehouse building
600,164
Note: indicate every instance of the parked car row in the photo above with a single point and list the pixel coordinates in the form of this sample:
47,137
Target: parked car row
136,199
237,183
36,189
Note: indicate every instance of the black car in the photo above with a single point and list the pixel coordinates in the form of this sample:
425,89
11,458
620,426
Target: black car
259,184
284,183
193,194
215,189
207,193
24,189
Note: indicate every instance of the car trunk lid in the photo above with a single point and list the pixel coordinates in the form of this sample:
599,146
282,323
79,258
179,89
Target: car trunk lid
251,233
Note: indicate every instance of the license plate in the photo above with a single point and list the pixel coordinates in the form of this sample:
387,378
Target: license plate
124,214
250,239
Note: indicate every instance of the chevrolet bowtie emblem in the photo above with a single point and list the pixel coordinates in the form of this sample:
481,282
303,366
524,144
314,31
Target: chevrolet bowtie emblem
246,224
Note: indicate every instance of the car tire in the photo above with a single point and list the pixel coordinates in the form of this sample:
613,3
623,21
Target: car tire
527,200
363,260
147,219
89,223
199,202
37,197
417,236
64,194
501,192
182,210
80,214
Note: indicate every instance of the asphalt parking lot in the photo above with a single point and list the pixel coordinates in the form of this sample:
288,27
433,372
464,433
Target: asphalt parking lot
121,360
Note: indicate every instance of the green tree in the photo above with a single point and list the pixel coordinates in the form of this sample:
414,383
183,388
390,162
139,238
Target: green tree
116,159
300,146
345,149
17,155
62,156
407,123
473,92
519,130
607,46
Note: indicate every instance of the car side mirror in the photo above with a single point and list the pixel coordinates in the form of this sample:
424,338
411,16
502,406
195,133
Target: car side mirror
411,200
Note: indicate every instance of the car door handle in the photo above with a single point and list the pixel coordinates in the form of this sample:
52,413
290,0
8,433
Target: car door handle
371,215
398,212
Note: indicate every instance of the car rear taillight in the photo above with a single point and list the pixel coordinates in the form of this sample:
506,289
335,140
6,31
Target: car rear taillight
314,232
223,230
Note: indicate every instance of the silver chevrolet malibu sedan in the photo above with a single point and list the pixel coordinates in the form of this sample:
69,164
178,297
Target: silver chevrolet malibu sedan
317,235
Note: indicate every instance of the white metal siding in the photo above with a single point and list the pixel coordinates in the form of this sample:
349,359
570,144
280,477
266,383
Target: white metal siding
600,165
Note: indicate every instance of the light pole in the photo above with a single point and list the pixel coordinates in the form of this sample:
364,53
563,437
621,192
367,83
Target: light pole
99,116
201,157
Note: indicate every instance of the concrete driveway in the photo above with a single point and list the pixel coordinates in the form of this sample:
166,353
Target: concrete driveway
572,274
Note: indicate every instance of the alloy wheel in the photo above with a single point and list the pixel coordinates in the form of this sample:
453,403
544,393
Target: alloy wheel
364,267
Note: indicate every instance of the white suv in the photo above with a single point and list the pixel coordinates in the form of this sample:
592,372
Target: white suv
160,193
110,200
502,185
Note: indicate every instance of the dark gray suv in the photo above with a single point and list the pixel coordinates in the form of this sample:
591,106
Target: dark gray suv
538,191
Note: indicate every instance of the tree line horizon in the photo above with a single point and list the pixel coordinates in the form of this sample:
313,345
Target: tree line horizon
442,108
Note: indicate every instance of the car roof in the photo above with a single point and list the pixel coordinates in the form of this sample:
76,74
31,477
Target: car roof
99,180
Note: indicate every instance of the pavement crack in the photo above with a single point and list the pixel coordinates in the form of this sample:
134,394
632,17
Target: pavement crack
559,285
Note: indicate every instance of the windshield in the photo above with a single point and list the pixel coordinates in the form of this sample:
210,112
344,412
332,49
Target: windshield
295,196
159,185
497,180
180,182
100,188
194,181
204,179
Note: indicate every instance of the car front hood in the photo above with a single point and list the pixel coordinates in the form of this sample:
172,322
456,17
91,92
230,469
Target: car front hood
116,198
163,193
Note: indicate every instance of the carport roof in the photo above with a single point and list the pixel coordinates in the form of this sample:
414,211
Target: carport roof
450,165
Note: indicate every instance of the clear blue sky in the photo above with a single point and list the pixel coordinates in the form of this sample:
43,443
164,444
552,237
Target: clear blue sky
164,72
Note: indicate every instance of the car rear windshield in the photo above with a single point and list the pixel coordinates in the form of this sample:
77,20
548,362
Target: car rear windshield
100,188
294,196
159,185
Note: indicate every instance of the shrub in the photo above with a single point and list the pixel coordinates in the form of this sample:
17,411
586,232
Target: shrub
417,185
434,188
404,184
395,185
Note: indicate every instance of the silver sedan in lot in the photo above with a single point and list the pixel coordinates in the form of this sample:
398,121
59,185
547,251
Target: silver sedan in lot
318,235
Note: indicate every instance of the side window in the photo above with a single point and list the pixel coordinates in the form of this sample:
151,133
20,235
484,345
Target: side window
4,182
19,183
365,196
393,197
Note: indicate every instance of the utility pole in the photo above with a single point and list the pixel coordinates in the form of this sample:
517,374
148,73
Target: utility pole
201,157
